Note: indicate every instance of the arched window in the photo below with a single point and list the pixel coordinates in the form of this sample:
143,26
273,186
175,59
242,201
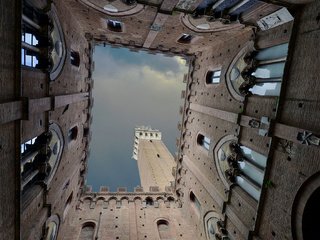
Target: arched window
67,205
214,226
52,226
203,141
75,58
149,201
203,26
195,203
114,26
35,52
185,38
87,231
40,157
259,72
310,214
242,166
164,229
110,8
213,77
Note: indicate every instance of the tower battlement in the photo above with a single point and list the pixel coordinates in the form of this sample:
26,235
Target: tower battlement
146,133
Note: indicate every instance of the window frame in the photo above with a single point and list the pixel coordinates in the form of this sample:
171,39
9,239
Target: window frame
210,76
115,25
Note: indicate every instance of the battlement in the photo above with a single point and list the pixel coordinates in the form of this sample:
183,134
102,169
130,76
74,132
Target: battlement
106,199
121,190
146,133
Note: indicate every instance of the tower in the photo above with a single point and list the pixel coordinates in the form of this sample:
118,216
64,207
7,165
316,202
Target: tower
155,162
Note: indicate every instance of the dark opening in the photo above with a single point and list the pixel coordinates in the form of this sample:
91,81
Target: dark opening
149,201
310,223
213,77
200,139
192,197
209,77
75,58
73,133
114,26
185,38
129,2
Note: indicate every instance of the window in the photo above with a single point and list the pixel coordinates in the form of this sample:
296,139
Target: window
73,133
75,58
40,157
213,77
204,26
87,231
260,72
242,166
204,141
185,38
215,226
114,26
29,51
164,229
27,145
195,203
149,201
110,8
67,206
52,226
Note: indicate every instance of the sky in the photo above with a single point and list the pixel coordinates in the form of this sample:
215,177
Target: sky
130,89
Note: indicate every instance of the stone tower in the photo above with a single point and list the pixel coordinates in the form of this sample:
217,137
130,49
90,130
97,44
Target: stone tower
155,162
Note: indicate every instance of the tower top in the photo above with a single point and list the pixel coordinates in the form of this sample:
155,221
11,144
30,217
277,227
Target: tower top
144,132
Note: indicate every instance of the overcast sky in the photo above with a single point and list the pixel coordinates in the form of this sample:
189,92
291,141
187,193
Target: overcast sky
130,89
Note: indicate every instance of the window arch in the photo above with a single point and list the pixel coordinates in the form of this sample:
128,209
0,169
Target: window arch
41,156
310,213
110,8
305,209
240,165
87,231
59,51
164,229
259,72
214,226
52,227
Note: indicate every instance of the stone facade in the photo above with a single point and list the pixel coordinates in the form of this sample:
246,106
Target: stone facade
247,164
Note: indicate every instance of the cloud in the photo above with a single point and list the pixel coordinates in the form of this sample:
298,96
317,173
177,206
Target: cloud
130,89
